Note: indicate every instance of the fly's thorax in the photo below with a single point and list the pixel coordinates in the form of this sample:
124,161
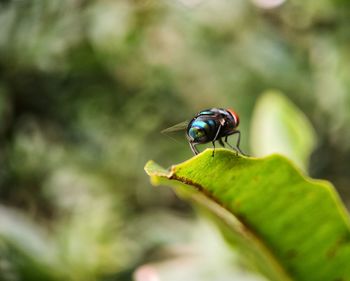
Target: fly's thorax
231,123
229,127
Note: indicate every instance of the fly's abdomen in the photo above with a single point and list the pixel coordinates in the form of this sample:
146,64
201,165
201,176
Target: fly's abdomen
201,131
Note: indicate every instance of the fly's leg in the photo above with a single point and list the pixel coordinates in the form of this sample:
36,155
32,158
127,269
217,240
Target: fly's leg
217,133
193,148
232,147
221,142
238,143
215,138
237,148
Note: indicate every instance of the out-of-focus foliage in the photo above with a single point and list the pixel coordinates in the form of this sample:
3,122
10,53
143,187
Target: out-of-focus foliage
279,127
86,87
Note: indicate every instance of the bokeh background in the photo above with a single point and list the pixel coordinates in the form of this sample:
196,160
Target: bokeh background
85,89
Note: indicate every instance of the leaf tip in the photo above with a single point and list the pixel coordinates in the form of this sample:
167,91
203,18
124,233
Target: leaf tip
153,169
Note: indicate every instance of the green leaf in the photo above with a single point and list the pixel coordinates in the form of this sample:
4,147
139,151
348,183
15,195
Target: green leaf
289,226
278,126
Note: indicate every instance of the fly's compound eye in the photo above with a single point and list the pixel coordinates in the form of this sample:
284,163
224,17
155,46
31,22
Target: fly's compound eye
197,134
235,117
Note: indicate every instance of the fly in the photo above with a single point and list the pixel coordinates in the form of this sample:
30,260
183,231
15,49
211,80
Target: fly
210,125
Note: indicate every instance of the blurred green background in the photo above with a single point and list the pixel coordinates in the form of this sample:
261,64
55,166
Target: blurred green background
85,89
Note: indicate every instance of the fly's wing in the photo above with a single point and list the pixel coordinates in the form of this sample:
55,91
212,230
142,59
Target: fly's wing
176,128
180,127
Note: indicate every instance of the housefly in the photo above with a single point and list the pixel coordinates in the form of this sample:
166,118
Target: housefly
210,125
